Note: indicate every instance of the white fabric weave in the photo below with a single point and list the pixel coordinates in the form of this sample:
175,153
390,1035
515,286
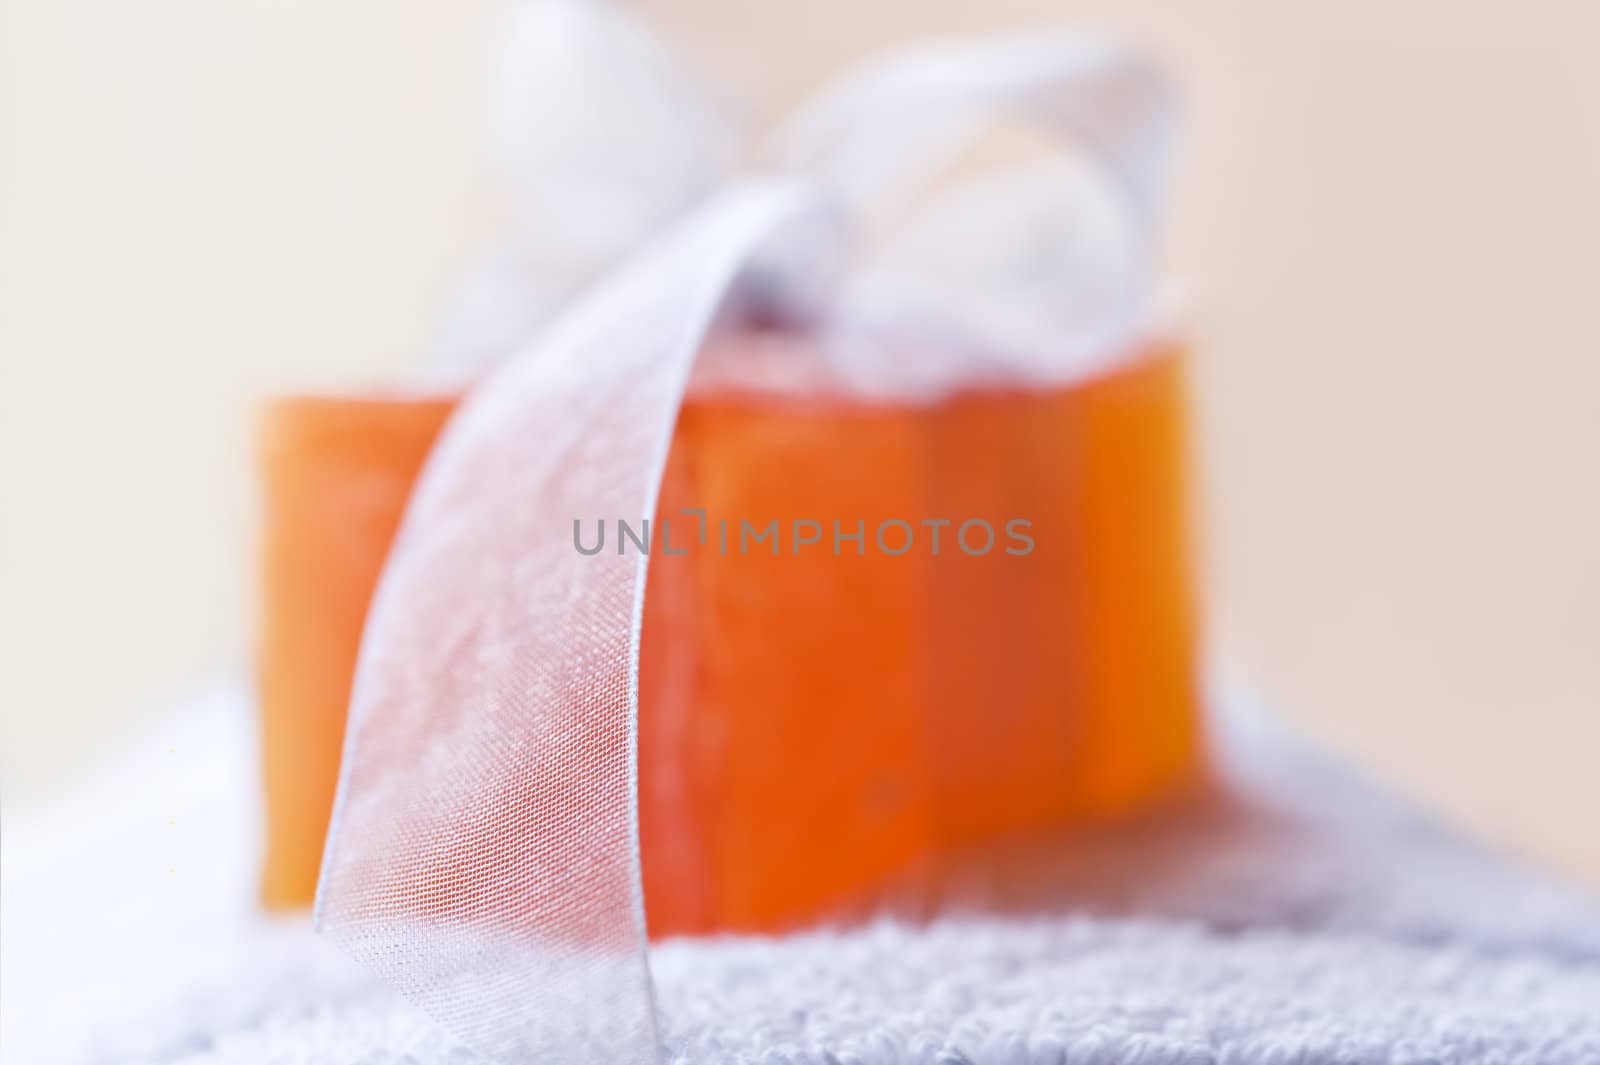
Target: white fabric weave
1304,919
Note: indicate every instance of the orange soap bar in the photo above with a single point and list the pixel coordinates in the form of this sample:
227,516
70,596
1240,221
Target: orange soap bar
336,474
816,716
828,700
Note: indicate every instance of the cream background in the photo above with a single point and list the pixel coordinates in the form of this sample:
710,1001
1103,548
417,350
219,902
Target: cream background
1387,220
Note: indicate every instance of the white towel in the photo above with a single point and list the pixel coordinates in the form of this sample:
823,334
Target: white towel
1302,917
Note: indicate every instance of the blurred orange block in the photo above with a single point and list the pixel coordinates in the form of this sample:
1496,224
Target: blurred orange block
336,473
812,722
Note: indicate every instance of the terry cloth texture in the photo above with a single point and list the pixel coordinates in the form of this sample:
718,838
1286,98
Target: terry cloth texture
1296,915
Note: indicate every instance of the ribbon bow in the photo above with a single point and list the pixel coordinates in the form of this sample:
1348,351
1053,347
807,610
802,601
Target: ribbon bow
483,855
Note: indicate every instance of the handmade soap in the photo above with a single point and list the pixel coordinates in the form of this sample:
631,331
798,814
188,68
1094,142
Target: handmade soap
875,632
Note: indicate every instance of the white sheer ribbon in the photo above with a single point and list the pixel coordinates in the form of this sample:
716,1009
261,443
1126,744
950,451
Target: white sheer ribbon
484,853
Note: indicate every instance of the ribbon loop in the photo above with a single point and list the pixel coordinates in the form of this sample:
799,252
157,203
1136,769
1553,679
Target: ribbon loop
1046,268
904,113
